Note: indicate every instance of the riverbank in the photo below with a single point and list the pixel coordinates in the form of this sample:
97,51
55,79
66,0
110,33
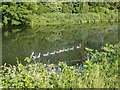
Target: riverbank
98,71
71,18
65,18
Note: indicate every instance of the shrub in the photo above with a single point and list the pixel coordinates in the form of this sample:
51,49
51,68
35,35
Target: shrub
98,71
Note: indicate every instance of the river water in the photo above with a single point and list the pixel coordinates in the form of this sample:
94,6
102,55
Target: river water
43,39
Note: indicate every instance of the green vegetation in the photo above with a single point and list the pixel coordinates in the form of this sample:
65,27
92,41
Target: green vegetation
65,18
29,13
100,70
15,13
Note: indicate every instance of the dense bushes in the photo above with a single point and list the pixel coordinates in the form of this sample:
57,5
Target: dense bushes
64,18
19,13
16,13
100,70
77,7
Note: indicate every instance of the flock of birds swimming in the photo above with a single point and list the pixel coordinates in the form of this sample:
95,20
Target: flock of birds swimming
33,56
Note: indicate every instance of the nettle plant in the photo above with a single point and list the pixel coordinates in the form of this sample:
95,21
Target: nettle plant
98,71
102,67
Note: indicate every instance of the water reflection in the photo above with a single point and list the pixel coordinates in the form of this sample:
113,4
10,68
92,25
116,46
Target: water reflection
58,43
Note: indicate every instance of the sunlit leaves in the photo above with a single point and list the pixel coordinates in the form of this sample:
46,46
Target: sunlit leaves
27,59
89,50
99,73
17,12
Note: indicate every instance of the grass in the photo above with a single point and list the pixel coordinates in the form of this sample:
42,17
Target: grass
64,18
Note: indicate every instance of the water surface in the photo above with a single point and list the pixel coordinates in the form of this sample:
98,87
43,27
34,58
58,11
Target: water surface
45,39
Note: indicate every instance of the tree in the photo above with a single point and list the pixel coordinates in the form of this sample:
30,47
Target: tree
17,13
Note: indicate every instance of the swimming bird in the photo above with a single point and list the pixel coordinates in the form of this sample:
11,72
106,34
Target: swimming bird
72,48
57,51
46,54
39,55
67,49
36,57
79,46
52,53
61,50
32,55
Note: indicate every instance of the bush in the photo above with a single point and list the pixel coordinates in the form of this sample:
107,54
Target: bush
98,71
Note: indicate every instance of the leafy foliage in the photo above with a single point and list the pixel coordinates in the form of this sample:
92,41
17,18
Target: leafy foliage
98,71
65,18
17,13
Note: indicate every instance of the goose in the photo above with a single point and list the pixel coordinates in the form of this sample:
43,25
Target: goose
72,48
36,57
46,54
39,55
61,50
79,46
31,56
57,51
67,49
52,53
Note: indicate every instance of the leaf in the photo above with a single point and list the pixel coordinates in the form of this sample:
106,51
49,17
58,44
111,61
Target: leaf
14,22
27,59
88,49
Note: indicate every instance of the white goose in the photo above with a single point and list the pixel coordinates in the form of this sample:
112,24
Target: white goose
31,56
52,53
35,57
72,48
39,55
61,50
57,52
67,49
46,54
79,46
